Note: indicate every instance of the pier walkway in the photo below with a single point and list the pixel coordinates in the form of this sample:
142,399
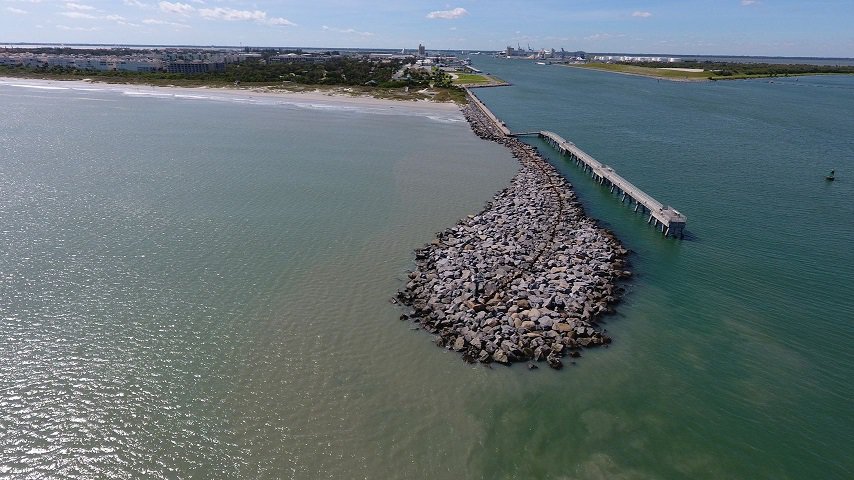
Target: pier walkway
486,111
665,218
668,219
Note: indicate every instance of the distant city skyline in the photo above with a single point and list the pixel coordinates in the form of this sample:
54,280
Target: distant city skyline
721,27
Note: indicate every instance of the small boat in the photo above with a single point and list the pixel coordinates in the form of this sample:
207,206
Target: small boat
831,177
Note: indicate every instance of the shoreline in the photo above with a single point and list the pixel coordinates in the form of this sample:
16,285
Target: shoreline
338,97
713,78
524,280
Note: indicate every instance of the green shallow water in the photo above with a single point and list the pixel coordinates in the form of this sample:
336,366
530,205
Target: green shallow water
198,288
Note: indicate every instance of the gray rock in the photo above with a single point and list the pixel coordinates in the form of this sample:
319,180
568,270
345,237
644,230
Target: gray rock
500,356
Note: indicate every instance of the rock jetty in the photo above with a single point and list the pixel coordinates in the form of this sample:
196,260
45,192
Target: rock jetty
525,279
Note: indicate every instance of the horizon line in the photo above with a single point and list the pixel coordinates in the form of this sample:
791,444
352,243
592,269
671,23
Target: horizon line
91,44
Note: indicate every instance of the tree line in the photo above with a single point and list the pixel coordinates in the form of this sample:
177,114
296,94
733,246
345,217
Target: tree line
727,69
348,71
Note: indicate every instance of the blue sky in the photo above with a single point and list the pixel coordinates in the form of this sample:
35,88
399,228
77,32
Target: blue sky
734,27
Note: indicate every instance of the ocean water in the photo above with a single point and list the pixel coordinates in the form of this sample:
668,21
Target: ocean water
198,287
739,337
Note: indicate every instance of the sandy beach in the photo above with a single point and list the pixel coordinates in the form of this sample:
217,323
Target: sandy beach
338,98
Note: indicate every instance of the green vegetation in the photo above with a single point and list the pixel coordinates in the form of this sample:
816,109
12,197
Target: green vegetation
419,78
470,79
744,70
719,70
334,71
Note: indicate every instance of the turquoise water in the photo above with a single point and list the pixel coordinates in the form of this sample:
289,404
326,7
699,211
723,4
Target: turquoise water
740,335
198,287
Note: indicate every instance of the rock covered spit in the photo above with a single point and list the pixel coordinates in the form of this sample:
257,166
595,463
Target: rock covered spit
525,279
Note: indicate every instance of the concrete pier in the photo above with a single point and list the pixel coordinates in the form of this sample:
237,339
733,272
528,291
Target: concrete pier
665,218
486,111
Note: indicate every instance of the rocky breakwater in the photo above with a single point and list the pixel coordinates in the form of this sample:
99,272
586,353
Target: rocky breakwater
522,281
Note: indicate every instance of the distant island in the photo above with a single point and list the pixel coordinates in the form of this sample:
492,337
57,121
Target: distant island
693,70
674,68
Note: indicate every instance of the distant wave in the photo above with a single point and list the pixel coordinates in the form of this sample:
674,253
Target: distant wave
193,97
146,94
38,87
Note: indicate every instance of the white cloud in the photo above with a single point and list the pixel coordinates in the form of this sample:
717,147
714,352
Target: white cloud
16,11
641,14
78,15
135,3
448,14
745,3
79,11
78,29
152,21
281,22
348,31
78,7
232,15
177,7
604,36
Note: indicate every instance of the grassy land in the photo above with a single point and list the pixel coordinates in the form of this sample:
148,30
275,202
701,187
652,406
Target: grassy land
473,79
470,79
647,71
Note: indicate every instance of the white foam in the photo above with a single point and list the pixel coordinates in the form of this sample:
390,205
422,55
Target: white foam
146,94
39,87
438,118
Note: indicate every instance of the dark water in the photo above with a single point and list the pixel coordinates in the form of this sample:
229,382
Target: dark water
192,288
